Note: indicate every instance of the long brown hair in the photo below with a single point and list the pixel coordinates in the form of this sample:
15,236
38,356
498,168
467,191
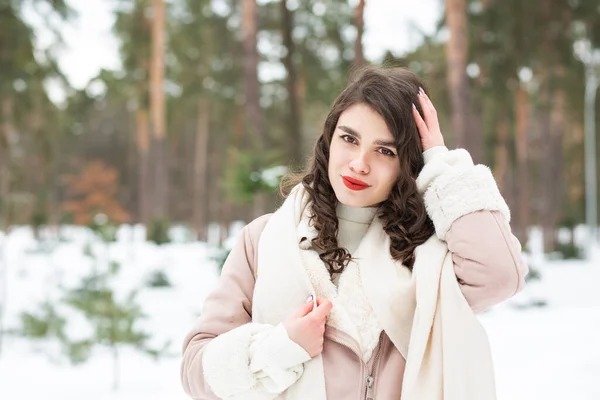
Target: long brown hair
390,92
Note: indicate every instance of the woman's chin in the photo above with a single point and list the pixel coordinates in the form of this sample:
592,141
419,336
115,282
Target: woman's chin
353,199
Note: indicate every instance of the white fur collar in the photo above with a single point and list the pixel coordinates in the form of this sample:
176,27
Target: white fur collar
352,312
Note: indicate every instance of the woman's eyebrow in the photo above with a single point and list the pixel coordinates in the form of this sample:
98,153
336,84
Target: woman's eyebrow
352,132
349,130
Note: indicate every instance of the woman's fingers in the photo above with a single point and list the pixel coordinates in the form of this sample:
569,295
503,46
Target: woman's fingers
421,125
429,111
424,106
323,309
428,125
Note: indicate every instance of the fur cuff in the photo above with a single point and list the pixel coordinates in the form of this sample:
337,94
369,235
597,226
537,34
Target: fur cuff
433,152
277,350
226,360
232,360
452,187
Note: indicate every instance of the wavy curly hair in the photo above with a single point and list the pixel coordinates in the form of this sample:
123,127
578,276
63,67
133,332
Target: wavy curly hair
391,93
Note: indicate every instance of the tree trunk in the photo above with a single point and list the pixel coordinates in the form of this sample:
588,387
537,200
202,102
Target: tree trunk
458,85
216,193
254,123
502,158
8,140
553,101
157,110
359,18
546,180
555,160
523,194
295,120
574,171
552,130
199,189
254,137
144,185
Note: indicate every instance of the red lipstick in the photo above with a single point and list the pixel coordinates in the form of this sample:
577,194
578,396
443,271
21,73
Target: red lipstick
354,184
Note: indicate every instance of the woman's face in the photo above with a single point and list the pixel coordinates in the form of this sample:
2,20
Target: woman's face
363,161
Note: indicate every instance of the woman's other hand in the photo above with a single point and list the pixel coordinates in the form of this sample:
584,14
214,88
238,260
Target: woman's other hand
429,128
306,326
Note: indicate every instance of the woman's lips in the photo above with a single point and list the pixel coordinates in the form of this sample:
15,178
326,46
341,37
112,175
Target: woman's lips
354,184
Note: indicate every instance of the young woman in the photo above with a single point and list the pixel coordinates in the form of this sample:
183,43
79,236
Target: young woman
364,284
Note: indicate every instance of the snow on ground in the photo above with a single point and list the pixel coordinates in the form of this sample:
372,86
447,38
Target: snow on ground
545,353
551,352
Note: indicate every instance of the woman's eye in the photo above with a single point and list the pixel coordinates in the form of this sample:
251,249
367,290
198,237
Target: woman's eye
349,139
386,152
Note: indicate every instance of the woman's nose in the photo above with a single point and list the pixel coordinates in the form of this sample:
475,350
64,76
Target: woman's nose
360,164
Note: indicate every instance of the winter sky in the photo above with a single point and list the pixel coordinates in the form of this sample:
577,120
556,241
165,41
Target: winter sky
90,45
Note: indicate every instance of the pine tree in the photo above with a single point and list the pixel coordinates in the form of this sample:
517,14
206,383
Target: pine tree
113,320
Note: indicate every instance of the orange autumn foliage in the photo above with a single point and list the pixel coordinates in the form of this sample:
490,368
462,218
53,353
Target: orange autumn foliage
94,191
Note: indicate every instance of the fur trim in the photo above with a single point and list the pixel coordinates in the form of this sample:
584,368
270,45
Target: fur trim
454,187
433,152
354,299
441,162
351,313
278,351
228,356
247,349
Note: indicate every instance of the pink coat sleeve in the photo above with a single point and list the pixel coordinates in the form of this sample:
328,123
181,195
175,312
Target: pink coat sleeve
487,258
227,307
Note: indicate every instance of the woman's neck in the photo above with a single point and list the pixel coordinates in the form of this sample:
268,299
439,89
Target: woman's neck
360,215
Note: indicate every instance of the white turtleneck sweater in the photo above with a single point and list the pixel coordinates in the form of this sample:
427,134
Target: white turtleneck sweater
353,223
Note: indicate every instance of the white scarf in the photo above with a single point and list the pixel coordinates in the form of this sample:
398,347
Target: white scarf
424,314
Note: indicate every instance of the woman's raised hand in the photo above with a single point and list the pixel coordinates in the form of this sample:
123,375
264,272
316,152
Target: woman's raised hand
306,326
429,128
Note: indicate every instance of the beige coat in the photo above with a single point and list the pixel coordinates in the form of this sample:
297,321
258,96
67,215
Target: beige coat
486,260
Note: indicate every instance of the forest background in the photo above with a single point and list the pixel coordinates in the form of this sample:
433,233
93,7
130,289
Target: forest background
214,100
121,191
